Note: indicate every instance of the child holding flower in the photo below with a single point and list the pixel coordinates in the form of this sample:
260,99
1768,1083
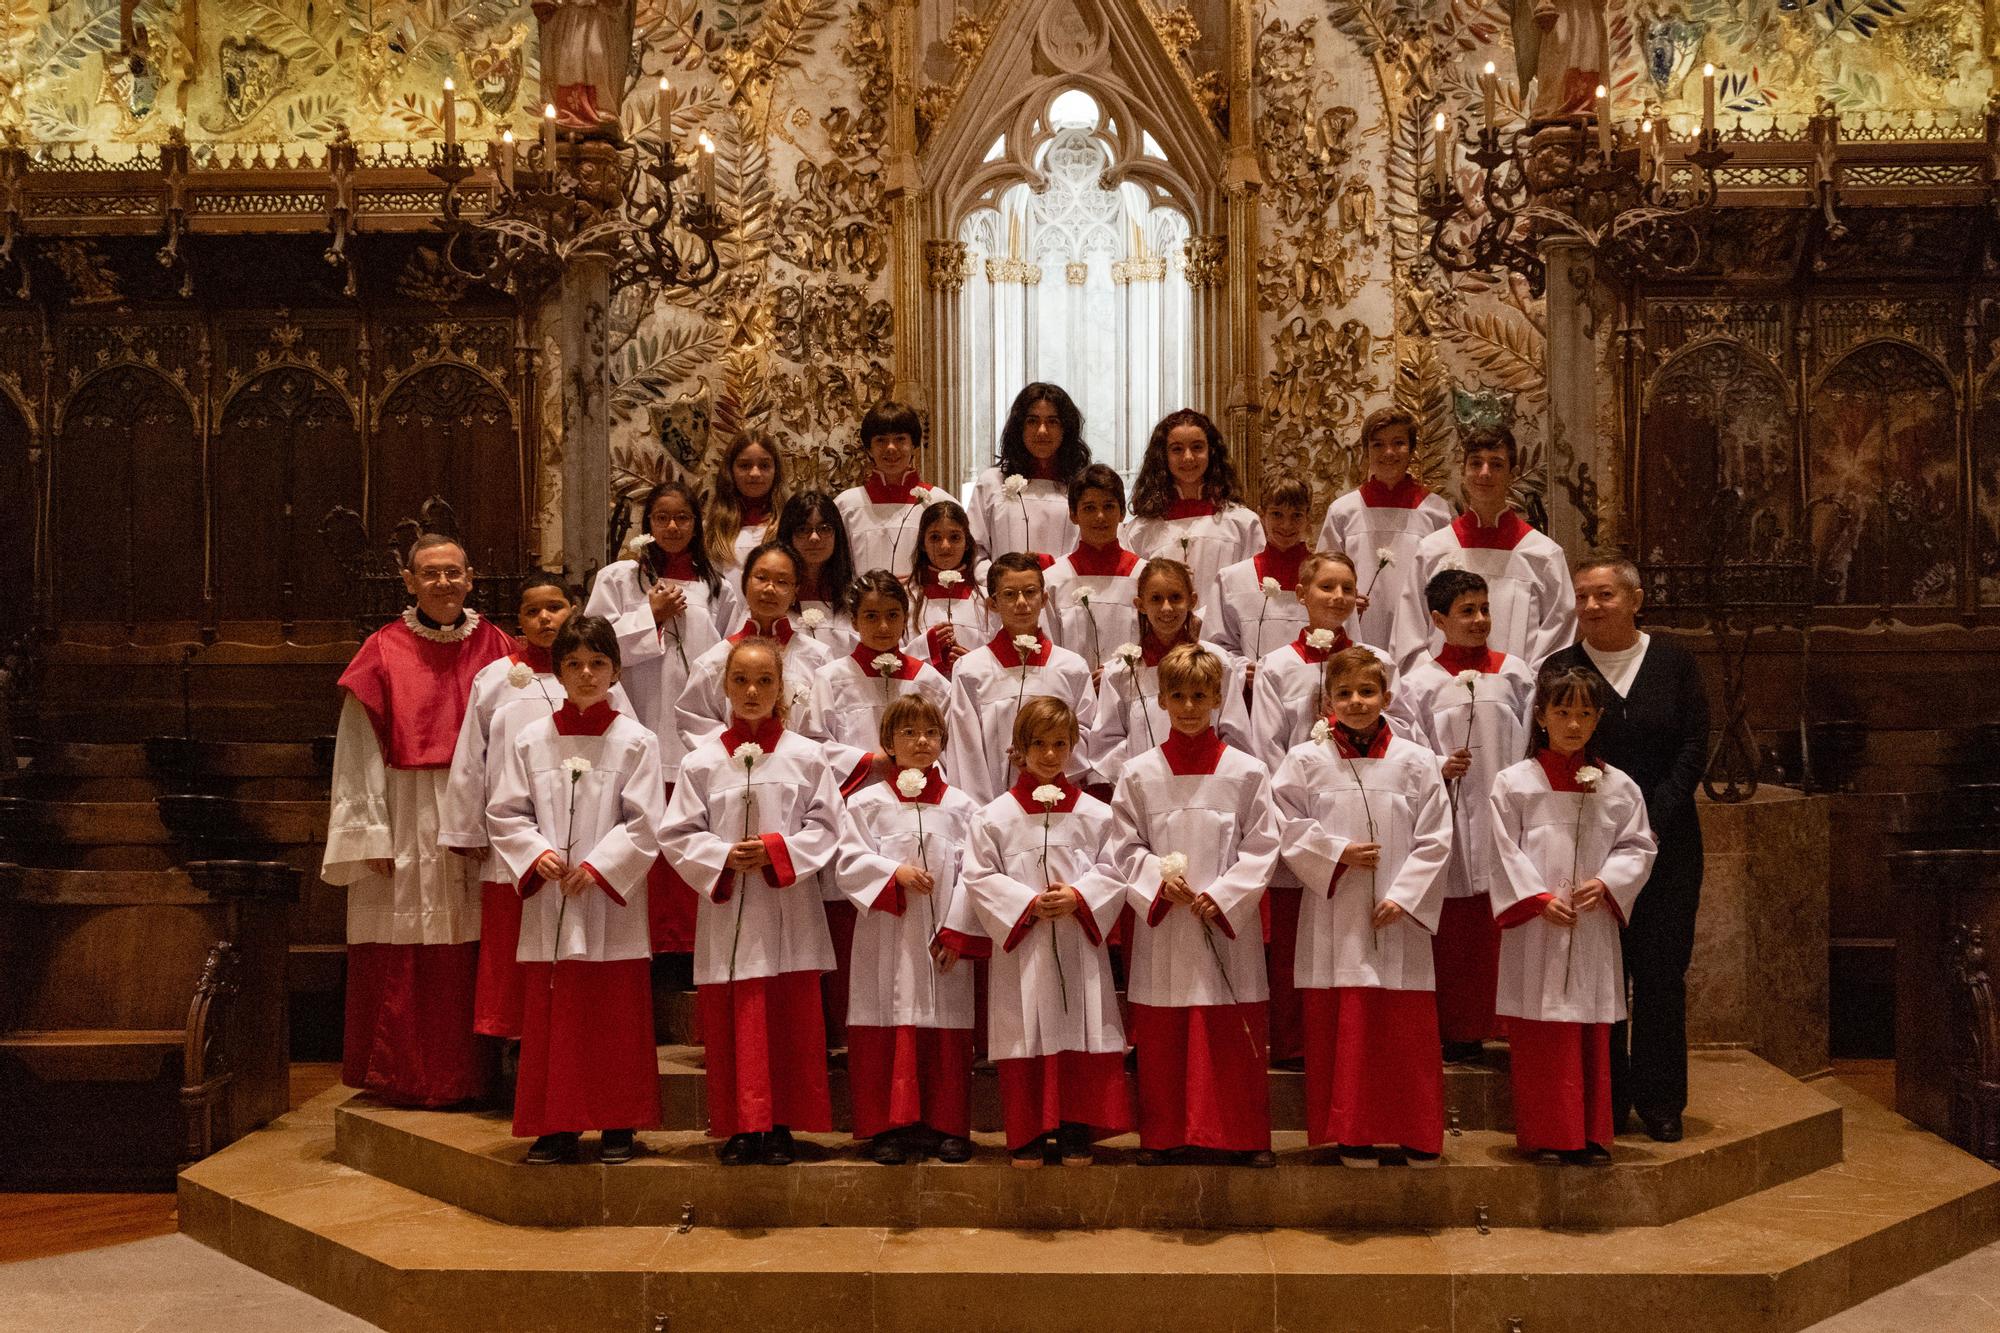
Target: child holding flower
1574,848
811,524
755,822
1284,704
1196,841
1381,521
1036,876
910,1009
1255,607
1366,827
771,574
1090,590
1023,504
993,682
1472,705
1184,500
574,815
948,617
882,512
1131,717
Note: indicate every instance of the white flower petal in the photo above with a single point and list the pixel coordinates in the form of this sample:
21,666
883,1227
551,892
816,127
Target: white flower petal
1172,864
1321,731
1049,794
911,782
520,675
1319,638
1270,587
949,578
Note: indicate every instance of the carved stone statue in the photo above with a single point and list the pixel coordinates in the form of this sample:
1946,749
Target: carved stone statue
585,47
1562,50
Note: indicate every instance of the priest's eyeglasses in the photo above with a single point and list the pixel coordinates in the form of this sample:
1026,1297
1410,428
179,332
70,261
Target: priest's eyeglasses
435,575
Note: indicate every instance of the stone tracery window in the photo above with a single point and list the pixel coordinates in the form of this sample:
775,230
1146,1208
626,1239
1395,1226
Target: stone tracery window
1075,274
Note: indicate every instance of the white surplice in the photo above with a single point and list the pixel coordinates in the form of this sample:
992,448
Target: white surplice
882,534
656,658
1527,583
1285,699
1326,801
702,710
1224,822
1038,521
607,818
789,797
1092,613
1241,616
985,696
1205,543
1548,841
1129,719
1372,518
1496,709
892,981
1037,1005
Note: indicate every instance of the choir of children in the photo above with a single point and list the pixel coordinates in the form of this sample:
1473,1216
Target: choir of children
853,759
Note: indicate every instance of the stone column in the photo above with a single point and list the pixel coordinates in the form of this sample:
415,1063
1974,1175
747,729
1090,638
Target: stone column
1572,371
579,312
904,184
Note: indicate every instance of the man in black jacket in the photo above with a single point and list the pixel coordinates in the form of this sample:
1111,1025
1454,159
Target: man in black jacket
1656,731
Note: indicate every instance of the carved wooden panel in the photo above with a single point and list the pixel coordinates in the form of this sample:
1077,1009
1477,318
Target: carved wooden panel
286,453
128,501
17,483
1882,479
446,430
1717,418
1986,492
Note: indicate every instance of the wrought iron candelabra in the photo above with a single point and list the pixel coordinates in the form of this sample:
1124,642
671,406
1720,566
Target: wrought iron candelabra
1639,213
559,200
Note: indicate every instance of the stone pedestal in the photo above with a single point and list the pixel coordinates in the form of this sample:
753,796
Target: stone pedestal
1759,977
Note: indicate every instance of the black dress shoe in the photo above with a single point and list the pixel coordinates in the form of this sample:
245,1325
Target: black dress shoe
617,1147
1261,1158
886,1150
1663,1128
742,1149
954,1150
552,1148
779,1150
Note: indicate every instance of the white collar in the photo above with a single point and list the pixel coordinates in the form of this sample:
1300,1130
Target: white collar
458,633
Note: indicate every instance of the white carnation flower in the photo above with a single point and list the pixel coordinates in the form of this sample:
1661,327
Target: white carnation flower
520,675
949,578
888,663
911,782
1026,643
1049,794
812,618
1172,865
1468,678
639,541
1129,653
1384,557
749,753
576,766
1270,586
1321,731
1013,486
1589,776
1319,639
1083,597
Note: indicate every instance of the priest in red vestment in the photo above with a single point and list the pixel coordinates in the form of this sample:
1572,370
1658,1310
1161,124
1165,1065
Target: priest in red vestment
412,906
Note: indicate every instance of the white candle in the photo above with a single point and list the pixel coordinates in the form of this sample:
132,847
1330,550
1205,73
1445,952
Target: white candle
507,159
1439,163
1645,149
549,136
1489,86
1604,123
1707,98
666,103
450,113
707,168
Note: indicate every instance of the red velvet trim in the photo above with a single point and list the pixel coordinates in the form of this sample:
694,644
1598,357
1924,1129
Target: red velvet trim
531,883
1502,536
1343,741
1088,922
891,899
535,659
779,873
765,734
1020,930
965,946
1008,656
1521,913
1044,560
907,491
755,512
1456,658
604,884
1560,770
592,721
1334,883
1189,509
1157,912
725,887
1193,756
1152,647
781,630
1023,792
858,779
1221,922
1405,494
1109,560
933,792
864,657
1317,656
1283,566
676,565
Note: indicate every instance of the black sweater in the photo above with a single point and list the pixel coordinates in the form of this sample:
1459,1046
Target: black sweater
1658,736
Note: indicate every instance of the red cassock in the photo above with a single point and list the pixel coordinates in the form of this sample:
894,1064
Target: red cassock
413,935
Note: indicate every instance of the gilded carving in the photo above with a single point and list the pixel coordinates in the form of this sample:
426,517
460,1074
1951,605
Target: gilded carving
1204,257
944,265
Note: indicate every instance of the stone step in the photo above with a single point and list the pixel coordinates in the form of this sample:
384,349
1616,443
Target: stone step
1901,1203
1758,1128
